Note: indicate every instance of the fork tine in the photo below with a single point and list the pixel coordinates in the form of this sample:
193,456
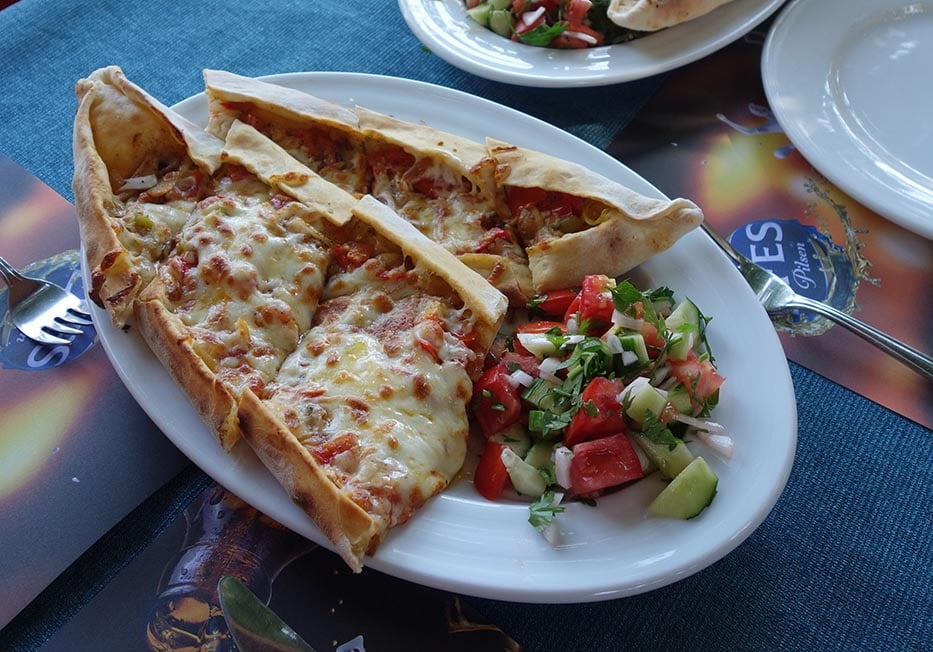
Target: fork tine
60,326
47,338
76,317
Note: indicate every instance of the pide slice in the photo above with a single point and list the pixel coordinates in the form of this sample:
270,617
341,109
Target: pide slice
139,171
574,222
320,134
444,185
242,281
367,418
652,15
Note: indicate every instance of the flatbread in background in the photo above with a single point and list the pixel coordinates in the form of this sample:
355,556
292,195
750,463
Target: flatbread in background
652,15
617,228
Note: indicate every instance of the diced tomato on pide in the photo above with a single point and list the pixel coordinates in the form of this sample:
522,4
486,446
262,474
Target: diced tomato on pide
603,463
496,402
353,254
546,201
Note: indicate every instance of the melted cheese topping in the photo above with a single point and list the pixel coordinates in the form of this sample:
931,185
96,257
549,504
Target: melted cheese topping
245,278
445,207
147,221
377,390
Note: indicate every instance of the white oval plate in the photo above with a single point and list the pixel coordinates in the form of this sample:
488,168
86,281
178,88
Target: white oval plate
444,27
849,82
466,544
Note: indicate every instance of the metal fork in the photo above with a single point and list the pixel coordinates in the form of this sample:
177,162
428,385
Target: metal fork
778,297
40,309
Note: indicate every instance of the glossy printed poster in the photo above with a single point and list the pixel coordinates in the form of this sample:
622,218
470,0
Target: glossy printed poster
77,453
709,135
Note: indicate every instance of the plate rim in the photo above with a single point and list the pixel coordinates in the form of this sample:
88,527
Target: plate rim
787,102
393,563
569,73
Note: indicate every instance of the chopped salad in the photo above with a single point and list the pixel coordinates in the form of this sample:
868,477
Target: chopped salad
567,24
599,389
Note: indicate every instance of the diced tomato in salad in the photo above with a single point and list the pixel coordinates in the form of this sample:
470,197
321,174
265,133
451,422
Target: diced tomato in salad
602,463
582,401
570,24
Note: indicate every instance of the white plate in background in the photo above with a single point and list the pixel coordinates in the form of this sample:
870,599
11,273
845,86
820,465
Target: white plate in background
444,27
849,81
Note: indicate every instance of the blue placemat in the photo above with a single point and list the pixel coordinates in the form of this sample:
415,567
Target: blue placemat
845,561
45,46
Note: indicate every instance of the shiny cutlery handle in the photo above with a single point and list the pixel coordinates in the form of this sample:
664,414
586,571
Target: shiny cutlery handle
910,356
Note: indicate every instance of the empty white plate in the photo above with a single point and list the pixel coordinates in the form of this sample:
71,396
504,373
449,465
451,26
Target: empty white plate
850,83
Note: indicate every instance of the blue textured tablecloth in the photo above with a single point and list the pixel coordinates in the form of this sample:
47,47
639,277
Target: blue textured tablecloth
844,562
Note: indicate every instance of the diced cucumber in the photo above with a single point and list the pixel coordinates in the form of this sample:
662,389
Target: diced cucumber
515,438
635,343
646,399
500,21
686,312
688,494
539,455
540,394
526,479
480,13
499,4
670,463
683,341
679,397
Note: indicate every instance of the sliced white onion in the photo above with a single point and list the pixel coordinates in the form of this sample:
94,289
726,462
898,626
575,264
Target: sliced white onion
720,444
537,344
646,464
660,373
706,425
572,325
586,38
575,339
629,357
530,17
551,534
521,378
623,320
548,369
562,457
613,343
139,183
663,308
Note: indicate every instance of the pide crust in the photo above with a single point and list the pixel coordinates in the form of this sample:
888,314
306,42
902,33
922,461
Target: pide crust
352,531
171,344
249,148
225,88
633,227
117,127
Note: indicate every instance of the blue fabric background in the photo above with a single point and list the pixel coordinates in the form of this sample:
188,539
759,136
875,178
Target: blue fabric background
845,561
